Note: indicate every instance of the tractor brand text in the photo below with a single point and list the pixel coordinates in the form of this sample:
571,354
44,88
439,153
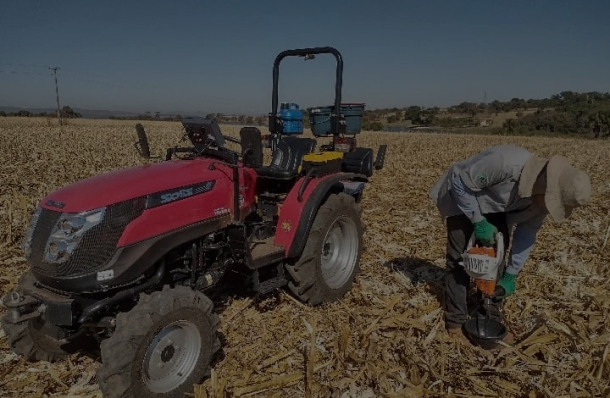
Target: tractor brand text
181,194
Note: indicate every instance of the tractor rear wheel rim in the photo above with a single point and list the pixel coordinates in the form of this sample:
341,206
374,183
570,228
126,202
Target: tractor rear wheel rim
339,252
171,356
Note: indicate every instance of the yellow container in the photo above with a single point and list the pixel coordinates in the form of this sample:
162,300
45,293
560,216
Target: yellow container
324,163
322,157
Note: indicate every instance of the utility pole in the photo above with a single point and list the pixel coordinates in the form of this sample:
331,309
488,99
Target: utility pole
54,69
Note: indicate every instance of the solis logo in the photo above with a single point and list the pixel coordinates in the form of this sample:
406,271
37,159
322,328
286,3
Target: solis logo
169,196
181,194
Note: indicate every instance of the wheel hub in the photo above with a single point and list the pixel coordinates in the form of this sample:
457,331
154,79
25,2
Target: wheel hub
168,353
171,356
339,252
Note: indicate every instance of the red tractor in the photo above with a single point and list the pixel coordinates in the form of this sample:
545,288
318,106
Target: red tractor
127,259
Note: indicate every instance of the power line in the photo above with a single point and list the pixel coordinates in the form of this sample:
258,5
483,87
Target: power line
108,81
10,68
54,69
14,72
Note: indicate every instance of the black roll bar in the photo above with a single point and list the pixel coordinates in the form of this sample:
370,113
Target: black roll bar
307,53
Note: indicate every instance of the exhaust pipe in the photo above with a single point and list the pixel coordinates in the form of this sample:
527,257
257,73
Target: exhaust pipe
107,302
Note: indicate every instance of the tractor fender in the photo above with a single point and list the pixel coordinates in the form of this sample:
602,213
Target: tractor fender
301,207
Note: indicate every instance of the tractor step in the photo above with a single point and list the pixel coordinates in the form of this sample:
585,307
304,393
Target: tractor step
265,252
267,279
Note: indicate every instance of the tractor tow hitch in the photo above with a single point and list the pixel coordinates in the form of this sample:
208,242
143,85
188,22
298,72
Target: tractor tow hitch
22,308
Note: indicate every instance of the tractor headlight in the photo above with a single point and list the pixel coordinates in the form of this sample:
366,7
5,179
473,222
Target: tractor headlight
68,232
26,245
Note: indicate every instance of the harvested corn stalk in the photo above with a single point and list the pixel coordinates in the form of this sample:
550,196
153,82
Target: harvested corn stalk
384,336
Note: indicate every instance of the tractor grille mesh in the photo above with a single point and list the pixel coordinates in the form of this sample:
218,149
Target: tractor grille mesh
96,247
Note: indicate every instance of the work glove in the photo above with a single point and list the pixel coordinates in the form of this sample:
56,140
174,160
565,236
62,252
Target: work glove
485,232
506,286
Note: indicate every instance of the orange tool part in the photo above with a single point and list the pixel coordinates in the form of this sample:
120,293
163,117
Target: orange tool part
486,287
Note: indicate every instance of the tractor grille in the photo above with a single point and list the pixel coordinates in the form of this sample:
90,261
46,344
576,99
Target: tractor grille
96,247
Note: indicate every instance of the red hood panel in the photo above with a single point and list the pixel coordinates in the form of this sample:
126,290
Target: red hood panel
116,186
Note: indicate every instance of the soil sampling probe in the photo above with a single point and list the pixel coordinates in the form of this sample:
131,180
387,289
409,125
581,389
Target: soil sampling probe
482,263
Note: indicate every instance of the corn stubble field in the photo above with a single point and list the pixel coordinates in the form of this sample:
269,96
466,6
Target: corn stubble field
386,338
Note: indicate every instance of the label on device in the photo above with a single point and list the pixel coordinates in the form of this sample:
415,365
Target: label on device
105,275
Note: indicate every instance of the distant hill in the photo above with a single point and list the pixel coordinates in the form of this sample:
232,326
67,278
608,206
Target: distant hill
95,113
87,113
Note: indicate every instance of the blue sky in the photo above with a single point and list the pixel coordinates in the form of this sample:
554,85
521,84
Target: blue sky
217,56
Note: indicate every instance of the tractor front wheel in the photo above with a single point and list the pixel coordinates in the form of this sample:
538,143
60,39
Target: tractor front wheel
162,347
36,340
326,269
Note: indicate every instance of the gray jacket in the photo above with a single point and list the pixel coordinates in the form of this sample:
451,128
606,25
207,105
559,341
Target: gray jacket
492,177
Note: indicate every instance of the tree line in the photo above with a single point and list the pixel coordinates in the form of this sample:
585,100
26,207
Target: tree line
567,112
65,113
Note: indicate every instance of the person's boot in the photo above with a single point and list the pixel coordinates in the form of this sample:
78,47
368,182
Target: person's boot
457,335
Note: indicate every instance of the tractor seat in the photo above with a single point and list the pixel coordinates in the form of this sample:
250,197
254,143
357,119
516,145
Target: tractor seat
287,158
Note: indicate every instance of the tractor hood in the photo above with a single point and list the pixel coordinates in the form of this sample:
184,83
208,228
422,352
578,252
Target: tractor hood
120,185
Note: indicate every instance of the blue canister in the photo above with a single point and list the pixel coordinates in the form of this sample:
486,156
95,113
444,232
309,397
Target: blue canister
292,117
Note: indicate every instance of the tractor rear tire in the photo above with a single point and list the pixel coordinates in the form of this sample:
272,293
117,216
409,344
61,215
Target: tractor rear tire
160,348
326,269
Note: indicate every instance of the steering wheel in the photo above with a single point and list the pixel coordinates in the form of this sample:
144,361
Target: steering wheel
221,153
204,139
229,156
